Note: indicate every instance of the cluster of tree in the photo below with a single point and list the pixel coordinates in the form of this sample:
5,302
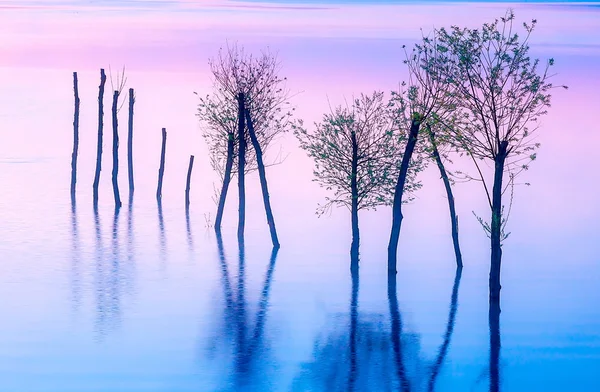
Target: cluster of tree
474,93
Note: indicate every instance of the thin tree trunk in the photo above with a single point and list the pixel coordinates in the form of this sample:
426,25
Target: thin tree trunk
115,150
130,141
100,135
187,186
496,226
453,216
354,204
75,138
399,191
161,169
494,324
226,181
263,180
241,166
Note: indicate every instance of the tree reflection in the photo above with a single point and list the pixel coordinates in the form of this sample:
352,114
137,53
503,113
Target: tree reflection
107,278
365,354
245,336
443,350
162,237
75,259
494,323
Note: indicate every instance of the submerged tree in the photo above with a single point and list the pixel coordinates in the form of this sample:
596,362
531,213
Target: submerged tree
439,146
355,149
426,97
265,102
502,93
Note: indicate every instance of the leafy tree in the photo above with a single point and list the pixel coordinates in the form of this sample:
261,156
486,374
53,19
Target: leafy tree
266,101
355,149
502,92
426,98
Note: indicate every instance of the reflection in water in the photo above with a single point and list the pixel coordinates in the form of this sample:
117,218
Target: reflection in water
443,350
247,339
354,355
364,354
396,321
188,229
75,259
494,323
107,278
353,323
161,236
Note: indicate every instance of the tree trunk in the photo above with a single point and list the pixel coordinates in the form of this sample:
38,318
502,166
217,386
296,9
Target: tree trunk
263,180
115,150
187,186
397,206
75,138
100,132
453,216
226,181
496,226
161,169
130,141
241,166
494,324
354,204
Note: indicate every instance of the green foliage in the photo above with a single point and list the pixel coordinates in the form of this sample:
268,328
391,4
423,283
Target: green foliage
374,124
500,94
266,97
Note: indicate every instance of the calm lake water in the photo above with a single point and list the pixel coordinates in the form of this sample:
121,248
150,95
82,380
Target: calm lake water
150,300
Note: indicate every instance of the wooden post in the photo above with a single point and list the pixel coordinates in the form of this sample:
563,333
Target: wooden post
115,151
130,141
241,166
161,169
187,186
263,180
100,131
75,138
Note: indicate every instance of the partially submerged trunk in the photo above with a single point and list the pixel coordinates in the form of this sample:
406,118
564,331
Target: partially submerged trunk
241,166
75,138
115,150
226,181
130,142
453,216
263,180
161,169
496,226
187,185
399,191
100,135
354,203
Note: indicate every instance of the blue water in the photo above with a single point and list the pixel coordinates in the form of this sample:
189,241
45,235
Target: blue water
151,300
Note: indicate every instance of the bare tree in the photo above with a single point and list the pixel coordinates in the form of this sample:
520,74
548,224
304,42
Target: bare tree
100,136
502,93
117,87
355,149
265,98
